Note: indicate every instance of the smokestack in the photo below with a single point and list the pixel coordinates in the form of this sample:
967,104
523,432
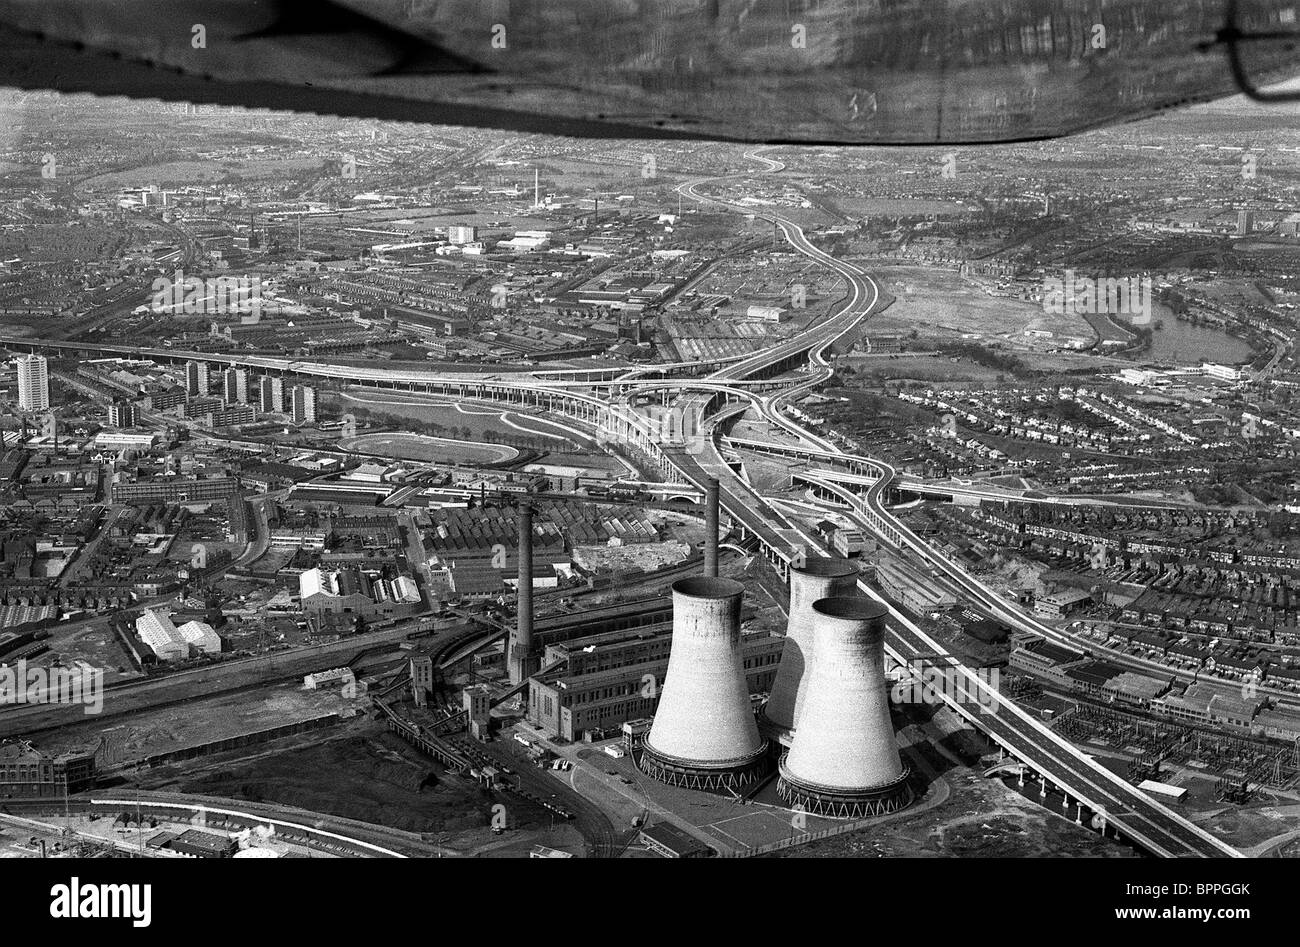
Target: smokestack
844,760
711,528
815,580
521,642
704,735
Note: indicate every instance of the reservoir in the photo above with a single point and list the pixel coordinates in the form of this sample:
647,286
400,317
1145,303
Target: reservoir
1182,343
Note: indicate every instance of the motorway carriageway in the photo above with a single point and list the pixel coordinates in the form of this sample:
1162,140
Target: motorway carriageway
1129,810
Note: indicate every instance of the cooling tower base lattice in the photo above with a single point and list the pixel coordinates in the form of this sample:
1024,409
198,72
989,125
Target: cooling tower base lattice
727,776
834,803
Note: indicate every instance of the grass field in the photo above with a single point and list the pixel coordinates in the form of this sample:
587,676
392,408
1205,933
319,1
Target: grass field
479,418
890,206
938,369
424,447
188,172
936,301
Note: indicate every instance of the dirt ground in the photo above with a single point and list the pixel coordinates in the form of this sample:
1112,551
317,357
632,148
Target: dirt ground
370,776
981,816
96,645
194,722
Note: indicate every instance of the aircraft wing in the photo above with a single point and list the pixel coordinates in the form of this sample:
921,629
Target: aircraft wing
779,71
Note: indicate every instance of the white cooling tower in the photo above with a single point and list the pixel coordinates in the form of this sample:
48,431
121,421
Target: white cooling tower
817,579
844,761
704,735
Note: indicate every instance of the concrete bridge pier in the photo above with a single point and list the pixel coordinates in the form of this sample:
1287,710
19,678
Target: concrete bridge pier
711,488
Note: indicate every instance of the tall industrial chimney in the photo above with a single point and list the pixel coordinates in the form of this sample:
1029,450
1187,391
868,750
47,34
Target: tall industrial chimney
844,760
711,528
704,735
816,579
521,640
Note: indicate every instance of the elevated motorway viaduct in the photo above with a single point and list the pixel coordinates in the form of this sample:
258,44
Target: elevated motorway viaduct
1131,812
612,381
869,469
1125,809
1128,810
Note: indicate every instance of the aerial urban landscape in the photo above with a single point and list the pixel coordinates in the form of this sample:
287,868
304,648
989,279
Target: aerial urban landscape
378,490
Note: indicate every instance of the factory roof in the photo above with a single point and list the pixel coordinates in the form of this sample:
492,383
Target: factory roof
1287,720
1052,652
1093,672
1137,685
671,842
591,615
1194,699
156,629
200,633
567,681
476,580
1066,597
204,841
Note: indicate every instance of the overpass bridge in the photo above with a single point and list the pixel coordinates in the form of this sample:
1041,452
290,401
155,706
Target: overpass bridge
604,373
868,469
1131,812
455,383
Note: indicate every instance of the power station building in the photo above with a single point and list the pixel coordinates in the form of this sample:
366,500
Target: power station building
606,680
28,773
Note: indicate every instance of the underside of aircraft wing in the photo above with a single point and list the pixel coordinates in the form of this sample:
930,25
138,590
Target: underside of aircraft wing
789,71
